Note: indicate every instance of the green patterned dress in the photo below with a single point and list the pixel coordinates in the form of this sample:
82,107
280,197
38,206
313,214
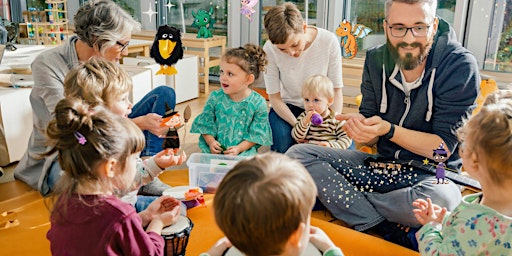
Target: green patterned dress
232,122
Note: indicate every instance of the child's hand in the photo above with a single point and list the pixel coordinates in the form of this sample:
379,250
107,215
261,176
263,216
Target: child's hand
220,247
215,147
320,239
320,143
166,209
307,118
166,158
232,151
428,212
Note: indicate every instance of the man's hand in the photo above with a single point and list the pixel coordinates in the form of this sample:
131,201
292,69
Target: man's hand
364,130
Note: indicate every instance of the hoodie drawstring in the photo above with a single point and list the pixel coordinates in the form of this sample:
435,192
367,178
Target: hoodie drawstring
384,99
430,96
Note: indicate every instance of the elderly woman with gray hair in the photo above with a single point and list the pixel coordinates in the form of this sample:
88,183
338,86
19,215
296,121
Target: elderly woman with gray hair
102,29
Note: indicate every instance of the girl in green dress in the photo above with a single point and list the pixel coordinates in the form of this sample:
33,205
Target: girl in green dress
234,120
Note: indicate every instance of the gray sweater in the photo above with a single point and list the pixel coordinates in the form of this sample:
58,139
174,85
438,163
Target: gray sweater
48,70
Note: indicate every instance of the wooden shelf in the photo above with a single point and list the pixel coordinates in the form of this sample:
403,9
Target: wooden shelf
48,27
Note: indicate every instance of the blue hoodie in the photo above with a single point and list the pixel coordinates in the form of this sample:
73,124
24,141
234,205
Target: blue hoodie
446,94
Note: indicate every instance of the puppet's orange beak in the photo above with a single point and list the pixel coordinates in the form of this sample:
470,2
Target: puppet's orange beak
166,47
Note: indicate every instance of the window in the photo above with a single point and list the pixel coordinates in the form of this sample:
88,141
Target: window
498,54
180,19
371,14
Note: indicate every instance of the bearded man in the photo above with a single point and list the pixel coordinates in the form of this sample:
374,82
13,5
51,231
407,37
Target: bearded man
416,89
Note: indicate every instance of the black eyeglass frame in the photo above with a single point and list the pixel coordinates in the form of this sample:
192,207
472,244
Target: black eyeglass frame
123,46
409,28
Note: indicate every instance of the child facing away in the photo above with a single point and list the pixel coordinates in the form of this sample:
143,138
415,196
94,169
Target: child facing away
234,120
98,152
100,82
481,224
318,95
263,206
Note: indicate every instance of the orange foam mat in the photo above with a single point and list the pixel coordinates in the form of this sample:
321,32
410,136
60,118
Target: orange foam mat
26,235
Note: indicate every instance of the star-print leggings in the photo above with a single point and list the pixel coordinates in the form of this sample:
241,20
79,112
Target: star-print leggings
363,196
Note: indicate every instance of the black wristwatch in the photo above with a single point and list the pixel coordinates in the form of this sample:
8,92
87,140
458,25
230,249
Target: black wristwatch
391,132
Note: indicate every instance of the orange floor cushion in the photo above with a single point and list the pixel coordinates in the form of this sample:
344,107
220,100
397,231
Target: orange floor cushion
24,223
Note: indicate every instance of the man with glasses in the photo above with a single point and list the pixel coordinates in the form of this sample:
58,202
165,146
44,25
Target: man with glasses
416,89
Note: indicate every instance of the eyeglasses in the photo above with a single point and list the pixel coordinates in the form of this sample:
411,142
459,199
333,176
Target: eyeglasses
401,31
123,46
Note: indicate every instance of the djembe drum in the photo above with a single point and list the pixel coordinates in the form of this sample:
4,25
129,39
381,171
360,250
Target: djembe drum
176,237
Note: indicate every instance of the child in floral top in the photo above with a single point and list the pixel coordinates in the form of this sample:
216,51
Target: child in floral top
482,223
235,118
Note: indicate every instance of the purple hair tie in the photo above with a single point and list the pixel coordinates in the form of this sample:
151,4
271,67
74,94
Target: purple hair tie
81,138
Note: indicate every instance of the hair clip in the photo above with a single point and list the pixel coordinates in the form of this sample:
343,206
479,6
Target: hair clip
81,138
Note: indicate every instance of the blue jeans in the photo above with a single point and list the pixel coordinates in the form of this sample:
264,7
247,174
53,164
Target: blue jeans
282,130
53,176
154,102
363,197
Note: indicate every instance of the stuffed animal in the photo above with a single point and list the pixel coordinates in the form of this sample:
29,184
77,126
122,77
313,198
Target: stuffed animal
204,21
167,49
348,33
247,8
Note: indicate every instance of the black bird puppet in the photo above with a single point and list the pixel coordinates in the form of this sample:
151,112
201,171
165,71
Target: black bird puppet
167,49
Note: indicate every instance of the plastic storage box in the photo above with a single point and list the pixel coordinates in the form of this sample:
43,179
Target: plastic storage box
207,170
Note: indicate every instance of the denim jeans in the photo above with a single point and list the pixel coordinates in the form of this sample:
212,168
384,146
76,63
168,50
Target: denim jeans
362,196
52,177
154,102
282,130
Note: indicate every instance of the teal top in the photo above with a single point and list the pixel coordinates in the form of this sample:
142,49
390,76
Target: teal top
471,229
333,252
232,122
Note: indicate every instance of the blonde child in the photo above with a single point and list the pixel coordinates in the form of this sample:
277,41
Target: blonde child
263,206
234,120
98,152
481,224
318,95
100,82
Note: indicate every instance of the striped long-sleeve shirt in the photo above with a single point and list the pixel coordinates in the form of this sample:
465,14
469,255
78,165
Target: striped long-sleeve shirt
330,130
